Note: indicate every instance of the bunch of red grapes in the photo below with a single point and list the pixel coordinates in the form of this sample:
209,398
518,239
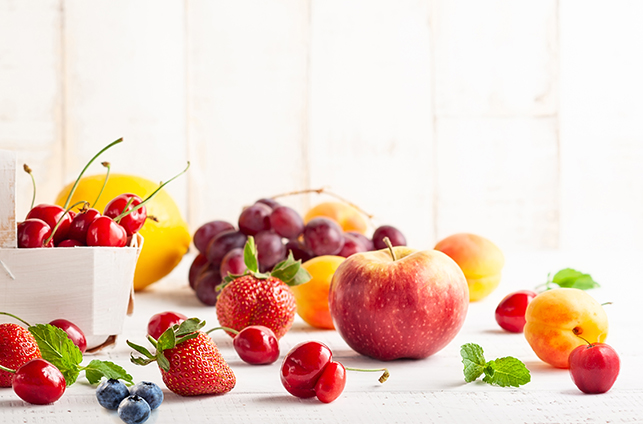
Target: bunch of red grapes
277,230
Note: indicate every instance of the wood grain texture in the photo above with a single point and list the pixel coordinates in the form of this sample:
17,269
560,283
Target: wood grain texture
370,110
8,235
125,77
247,111
30,94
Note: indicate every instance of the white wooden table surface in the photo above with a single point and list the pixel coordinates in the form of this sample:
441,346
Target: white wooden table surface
430,390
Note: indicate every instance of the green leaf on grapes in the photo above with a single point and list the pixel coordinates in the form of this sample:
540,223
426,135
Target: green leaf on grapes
250,255
473,360
96,370
56,347
506,372
571,278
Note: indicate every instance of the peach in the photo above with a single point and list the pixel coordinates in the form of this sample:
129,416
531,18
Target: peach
312,296
481,262
349,218
555,320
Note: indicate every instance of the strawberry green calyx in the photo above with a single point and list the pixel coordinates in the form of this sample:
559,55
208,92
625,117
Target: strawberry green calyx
172,337
289,270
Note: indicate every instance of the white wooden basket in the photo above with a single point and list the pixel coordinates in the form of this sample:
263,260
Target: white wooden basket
89,286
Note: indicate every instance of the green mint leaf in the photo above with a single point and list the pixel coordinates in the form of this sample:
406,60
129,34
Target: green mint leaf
56,347
96,370
473,360
505,372
571,278
250,255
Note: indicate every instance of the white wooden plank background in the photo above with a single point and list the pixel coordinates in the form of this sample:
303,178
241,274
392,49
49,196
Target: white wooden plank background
519,121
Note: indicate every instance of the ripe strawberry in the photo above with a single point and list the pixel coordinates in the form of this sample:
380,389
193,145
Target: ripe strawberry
260,299
17,347
189,361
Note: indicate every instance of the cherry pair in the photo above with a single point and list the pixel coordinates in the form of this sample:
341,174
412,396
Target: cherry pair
255,344
308,370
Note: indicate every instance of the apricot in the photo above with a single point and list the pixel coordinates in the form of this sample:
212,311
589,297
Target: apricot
480,260
555,320
312,296
349,218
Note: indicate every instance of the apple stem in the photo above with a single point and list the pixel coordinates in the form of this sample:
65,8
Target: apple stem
385,374
33,183
326,191
108,166
18,318
388,243
228,329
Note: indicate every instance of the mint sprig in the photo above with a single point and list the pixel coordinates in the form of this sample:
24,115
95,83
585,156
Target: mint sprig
503,372
56,347
571,278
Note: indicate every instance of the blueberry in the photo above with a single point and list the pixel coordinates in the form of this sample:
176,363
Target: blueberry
152,393
134,410
111,392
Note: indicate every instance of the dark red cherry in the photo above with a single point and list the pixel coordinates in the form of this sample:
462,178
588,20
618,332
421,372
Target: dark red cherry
38,382
105,232
303,366
510,312
162,321
33,232
70,243
80,224
256,345
132,222
51,214
331,383
74,333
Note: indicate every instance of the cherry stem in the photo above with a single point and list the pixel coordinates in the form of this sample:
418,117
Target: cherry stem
388,243
148,198
18,318
228,329
73,189
3,368
582,338
33,183
108,166
606,303
326,191
121,216
83,202
385,375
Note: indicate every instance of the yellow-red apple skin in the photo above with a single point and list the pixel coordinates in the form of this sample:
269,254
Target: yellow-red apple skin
408,308
552,317
480,259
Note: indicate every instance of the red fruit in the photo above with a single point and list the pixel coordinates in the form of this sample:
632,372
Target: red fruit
33,233
38,382
197,368
207,287
257,345
74,333
254,219
105,232
51,214
331,383
132,222
206,232
352,245
232,263
594,367
17,347
162,321
303,366
249,300
80,224
510,313
70,243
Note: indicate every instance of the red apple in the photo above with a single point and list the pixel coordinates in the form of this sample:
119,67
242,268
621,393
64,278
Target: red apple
594,367
398,303
510,313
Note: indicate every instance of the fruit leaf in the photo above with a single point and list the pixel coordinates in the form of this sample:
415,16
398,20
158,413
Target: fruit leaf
290,271
167,340
56,347
571,278
250,255
96,370
140,349
163,362
473,360
506,372
189,326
